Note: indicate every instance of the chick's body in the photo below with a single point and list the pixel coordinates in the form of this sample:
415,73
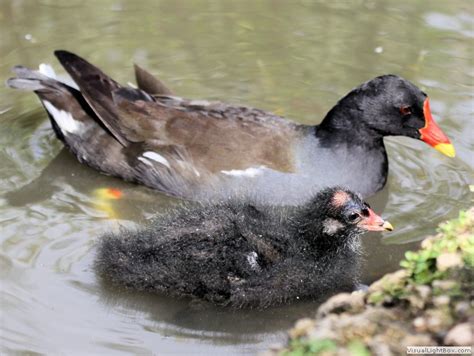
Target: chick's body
236,253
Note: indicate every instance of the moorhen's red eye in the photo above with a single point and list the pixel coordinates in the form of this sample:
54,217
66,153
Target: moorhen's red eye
405,110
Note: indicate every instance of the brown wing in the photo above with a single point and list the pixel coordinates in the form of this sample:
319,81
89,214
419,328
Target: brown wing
213,136
230,143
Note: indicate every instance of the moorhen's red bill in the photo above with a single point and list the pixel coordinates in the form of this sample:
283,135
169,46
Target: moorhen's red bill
432,134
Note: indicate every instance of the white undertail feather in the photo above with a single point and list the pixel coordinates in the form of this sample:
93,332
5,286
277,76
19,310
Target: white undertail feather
49,71
64,119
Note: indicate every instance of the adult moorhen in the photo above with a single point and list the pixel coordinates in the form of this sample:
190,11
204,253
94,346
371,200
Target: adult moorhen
240,254
199,150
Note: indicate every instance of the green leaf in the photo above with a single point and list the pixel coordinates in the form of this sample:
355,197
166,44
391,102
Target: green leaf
405,264
410,255
357,348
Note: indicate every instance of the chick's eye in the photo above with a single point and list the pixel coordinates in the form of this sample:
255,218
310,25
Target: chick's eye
405,110
353,217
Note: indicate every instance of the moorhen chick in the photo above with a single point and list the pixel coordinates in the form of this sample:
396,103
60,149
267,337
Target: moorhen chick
202,150
244,255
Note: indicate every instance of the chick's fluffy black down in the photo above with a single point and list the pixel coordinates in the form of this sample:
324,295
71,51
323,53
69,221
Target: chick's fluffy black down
230,253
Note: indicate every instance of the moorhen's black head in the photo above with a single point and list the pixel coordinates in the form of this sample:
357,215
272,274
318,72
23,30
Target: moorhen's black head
389,105
337,215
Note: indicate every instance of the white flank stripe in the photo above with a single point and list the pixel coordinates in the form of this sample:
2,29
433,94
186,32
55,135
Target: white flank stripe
63,118
145,160
157,158
249,172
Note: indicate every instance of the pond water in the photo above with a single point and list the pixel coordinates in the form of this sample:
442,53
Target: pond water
296,58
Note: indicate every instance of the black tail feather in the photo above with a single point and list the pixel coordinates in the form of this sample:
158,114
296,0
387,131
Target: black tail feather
149,83
96,88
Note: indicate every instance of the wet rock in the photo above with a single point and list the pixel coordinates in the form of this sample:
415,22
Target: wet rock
441,301
415,306
418,296
464,238
343,302
438,320
301,328
416,302
348,327
419,324
427,243
423,291
391,280
460,335
380,347
445,285
448,260
416,340
323,329
462,309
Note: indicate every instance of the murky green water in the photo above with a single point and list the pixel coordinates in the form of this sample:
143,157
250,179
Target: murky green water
293,57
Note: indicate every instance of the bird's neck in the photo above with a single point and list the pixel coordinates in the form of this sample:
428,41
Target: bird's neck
344,124
317,241
330,245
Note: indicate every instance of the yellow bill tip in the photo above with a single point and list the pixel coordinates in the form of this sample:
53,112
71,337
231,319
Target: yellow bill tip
387,226
446,149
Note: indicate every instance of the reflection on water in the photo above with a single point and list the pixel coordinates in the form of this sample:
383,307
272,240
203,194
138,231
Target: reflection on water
295,58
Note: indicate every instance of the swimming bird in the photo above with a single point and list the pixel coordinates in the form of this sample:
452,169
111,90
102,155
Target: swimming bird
200,150
239,254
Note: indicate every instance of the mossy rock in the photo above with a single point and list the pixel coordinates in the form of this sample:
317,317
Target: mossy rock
428,302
